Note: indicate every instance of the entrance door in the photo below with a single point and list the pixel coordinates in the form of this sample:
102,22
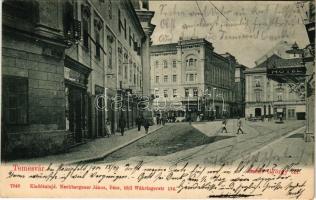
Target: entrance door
257,112
76,112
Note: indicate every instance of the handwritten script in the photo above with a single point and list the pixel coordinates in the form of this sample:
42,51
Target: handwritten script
243,180
241,21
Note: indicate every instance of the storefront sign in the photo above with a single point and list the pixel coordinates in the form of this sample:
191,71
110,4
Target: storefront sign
287,71
73,75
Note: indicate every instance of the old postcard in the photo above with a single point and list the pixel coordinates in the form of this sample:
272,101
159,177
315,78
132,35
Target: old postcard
157,99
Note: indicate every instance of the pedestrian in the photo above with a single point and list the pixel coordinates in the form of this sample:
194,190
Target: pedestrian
239,126
158,120
163,119
108,127
139,121
122,124
224,122
146,125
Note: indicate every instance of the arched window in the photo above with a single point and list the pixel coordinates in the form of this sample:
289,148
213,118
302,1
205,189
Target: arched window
191,62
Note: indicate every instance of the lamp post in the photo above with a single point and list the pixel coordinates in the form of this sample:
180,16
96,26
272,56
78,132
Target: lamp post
213,102
223,107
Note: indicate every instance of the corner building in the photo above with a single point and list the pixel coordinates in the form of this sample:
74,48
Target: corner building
59,57
188,78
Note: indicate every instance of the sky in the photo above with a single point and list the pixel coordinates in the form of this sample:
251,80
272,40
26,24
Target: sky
246,30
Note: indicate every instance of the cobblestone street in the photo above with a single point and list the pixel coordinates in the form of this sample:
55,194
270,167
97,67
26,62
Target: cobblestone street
208,145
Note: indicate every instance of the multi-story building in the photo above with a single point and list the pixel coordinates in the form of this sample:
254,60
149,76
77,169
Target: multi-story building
189,77
240,90
114,48
267,97
61,60
33,97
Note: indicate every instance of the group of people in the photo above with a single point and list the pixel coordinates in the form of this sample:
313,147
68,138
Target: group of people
122,125
161,120
239,126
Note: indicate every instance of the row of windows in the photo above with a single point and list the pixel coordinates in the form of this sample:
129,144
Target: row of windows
122,26
165,64
193,91
166,78
190,77
259,96
99,29
189,62
166,94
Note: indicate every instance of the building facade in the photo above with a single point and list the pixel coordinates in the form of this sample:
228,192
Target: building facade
188,78
266,97
68,66
33,98
240,90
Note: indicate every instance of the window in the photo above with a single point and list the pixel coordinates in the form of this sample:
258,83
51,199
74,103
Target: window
165,93
175,94
125,72
165,64
191,77
195,92
191,62
97,44
125,34
257,84
186,92
120,67
85,35
280,97
165,78
157,63
174,64
174,78
157,93
15,99
110,56
258,96
157,79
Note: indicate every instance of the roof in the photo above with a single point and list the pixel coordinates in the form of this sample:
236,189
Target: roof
163,48
278,62
269,60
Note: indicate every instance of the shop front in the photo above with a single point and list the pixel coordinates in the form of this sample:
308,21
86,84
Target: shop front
77,101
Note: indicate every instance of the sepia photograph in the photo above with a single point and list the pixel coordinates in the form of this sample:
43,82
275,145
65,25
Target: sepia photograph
157,99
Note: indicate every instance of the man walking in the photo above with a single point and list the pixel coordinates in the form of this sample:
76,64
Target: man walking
146,125
139,122
108,127
239,126
224,126
122,124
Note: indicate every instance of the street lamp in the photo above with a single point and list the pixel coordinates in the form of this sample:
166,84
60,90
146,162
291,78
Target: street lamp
213,101
221,95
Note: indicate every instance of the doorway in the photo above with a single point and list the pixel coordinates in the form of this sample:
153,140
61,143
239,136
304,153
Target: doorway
257,112
75,112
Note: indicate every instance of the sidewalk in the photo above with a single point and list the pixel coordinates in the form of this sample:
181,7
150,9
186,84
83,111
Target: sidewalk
94,149
290,148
